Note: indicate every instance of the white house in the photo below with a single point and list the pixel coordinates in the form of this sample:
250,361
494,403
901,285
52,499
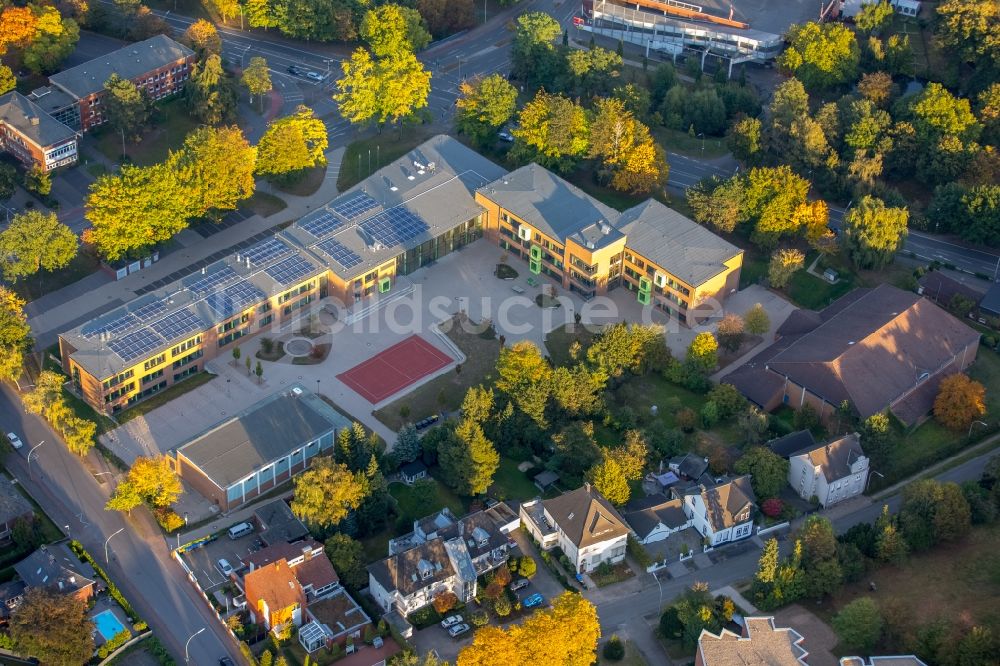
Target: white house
582,523
832,472
723,512
655,518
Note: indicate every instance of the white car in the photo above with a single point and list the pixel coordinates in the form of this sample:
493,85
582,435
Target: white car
15,441
449,622
225,567
314,76
458,630
506,136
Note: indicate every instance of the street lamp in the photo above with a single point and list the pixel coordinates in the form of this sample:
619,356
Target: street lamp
660,588
702,135
870,472
30,472
982,423
187,658
106,541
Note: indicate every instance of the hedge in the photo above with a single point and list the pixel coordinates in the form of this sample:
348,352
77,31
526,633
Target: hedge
113,590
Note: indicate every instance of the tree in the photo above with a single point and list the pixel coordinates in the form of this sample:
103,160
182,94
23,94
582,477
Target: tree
731,331
407,447
54,39
468,461
216,166
383,89
203,39
589,73
890,546
150,480
292,143
704,351
348,559
873,233
552,130
933,512
484,105
609,479
210,93
128,106
821,56
876,87
18,26
52,627
821,572
535,59
391,30
936,112
768,470
38,180
784,263
35,241
756,320
444,601
717,203
525,377
771,202
859,624
873,17
8,181
446,17
7,79
625,148
14,334
257,79
327,491
959,401
970,28
575,449
745,139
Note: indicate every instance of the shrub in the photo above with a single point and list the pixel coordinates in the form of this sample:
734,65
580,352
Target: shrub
479,618
502,606
445,601
614,650
687,419
772,508
526,566
168,518
118,640
140,626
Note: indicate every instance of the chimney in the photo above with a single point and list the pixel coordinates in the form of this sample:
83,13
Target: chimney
35,120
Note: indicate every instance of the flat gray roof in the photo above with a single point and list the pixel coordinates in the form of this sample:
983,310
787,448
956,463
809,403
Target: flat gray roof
554,206
681,246
128,62
261,434
32,121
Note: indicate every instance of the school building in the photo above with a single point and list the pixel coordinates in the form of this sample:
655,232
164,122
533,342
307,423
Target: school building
436,199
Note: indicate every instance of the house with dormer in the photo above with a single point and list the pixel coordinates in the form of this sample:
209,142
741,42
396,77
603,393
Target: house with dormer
721,512
831,472
582,523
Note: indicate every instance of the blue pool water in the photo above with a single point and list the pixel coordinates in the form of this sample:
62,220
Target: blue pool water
108,624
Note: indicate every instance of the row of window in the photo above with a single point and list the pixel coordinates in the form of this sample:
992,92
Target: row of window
289,295
114,381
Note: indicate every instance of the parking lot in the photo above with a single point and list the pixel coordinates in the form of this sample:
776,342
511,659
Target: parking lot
203,561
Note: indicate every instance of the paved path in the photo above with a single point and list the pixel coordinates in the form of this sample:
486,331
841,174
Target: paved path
67,308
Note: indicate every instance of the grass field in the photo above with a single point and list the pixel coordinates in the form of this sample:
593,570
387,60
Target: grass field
305,183
366,156
676,141
558,341
263,204
169,124
510,483
809,291
410,509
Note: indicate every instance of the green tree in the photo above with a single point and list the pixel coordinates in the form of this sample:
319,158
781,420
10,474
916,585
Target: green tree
936,112
8,181
821,572
52,627
14,335
33,242
608,479
210,93
203,39
704,351
407,447
216,167
468,461
757,321
933,512
7,79
970,27
590,73
38,180
348,559
446,17
772,202
873,17
128,106
768,470
535,59
391,30
292,143
327,491
717,203
978,647
890,546
859,624
626,148
384,89
877,439
575,449
484,105
477,405
553,131
746,139
821,56
257,79
784,263
54,39
874,233
525,377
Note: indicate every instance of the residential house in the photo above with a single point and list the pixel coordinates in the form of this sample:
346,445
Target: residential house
11,595
275,598
412,471
654,518
689,466
307,560
13,506
56,567
335,619
33,137
831,472
889,660
874,349
276,523
760,643
721,512
792,443
443,553
582,523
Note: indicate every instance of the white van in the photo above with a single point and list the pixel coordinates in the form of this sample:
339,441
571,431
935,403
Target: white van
241,530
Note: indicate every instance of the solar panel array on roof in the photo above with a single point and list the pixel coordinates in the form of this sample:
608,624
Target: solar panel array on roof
113,327
344,256
290,270
148,310
353,206
270,250
323,224
135,345
219,278
234,298
394,226
178,324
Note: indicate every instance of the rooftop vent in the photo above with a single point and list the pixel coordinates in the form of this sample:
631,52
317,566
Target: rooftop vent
35,120
296,391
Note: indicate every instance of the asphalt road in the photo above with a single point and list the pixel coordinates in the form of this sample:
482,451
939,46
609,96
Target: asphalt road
74,495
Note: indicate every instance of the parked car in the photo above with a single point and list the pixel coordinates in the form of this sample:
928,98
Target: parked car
519,584
226,661
534,600
458,630
15,441
449,622
225,567
506,136
314,76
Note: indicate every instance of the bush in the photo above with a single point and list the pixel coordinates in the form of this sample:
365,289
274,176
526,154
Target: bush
118,640
526,566
113,590
479,618
772,508
168,519
502,606
614,650
687,419
140,627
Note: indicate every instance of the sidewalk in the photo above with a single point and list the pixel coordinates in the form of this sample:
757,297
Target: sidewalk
66,308
982,447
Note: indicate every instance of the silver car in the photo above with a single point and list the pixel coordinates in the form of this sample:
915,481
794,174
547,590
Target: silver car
225,567
458,630
449,622
15,441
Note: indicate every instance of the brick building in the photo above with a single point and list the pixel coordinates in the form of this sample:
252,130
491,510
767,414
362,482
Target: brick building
32,136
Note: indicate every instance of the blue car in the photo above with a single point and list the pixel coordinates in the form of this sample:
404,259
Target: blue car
534,600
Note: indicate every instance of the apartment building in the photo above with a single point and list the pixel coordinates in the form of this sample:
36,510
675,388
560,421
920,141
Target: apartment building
158,65
670,262
34,137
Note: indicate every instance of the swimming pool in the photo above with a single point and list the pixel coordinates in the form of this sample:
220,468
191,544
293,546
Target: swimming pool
108,624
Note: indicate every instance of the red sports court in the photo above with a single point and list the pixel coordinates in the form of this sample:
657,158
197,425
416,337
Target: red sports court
394,369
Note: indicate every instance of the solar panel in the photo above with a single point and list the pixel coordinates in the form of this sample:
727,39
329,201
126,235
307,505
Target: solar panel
322,225
353,205
290,270
178,324
270,250
234,298
113,328
344,256
219,278
135,345
394,226
144,312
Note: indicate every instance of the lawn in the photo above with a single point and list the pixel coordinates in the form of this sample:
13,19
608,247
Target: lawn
681,142
304,183
170,123
510,483
366,156
558,341
411,509
166,395
34,287
632,657
447,391
263,204
815,293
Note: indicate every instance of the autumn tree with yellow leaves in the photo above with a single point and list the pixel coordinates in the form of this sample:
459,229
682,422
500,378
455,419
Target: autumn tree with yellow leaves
959,401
